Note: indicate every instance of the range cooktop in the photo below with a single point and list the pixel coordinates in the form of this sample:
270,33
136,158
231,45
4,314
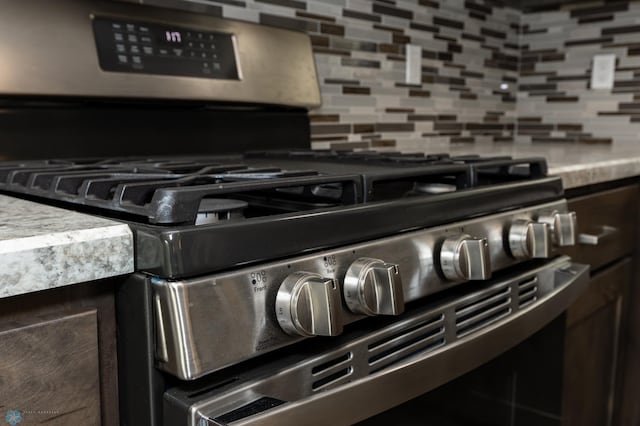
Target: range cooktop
196,190
266,204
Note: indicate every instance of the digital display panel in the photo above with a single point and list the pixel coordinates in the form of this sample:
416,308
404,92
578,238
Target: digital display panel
148,48
171,37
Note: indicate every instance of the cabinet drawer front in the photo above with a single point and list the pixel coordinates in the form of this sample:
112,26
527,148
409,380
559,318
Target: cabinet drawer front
607,225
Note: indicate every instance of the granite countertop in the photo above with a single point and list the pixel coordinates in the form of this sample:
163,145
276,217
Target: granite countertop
43,247
577,165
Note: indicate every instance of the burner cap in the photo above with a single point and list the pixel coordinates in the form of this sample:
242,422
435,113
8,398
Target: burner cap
435,188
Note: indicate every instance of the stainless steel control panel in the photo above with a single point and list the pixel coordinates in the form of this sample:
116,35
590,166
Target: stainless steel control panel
208,323
106,49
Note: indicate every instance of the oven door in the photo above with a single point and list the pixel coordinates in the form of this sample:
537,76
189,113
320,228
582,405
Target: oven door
382,363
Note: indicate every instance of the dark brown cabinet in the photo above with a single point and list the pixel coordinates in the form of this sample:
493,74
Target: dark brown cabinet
598,359
592,348
58,362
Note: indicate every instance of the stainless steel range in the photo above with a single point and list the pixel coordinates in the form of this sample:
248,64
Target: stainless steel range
283,286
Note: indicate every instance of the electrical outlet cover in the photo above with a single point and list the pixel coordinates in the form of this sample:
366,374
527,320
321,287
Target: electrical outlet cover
414,64
603,71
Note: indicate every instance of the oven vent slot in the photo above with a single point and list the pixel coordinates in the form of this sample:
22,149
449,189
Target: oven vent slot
527,291
398,345
482,310
331,378
331,372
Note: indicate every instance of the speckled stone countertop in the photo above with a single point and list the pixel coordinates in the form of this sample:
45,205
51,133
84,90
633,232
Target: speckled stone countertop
43,247
578,165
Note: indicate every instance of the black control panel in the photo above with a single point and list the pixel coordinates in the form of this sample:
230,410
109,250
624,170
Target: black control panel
146,48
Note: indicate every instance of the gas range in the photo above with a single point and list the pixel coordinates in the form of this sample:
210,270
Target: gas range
289,235
281,285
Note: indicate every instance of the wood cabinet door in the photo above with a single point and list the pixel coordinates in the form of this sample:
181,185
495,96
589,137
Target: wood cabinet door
58,362
49,371
55,345
594,325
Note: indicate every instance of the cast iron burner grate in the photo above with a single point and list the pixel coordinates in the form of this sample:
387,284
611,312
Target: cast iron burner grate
482,170
172,191
180,190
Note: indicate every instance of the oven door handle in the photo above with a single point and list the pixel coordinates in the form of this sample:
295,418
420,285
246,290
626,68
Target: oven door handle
380,391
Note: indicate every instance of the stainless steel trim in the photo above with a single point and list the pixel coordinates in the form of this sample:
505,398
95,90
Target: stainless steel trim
234,41
368,392
161,340
238,306
48,49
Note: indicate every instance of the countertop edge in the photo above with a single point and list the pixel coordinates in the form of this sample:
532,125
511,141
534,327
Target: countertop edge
584,174
44,247
41,262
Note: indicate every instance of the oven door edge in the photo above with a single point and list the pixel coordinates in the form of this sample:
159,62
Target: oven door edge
360,398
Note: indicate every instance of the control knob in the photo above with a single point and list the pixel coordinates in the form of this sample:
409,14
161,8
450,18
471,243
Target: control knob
528,239
308,304
562,227
463,257
372,287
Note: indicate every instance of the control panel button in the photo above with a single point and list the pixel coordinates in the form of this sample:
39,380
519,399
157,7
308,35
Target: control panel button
373,287
528,239
309,305
562,226
463,257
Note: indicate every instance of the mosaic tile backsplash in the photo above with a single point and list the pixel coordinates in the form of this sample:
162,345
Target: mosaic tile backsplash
555,101
489,71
